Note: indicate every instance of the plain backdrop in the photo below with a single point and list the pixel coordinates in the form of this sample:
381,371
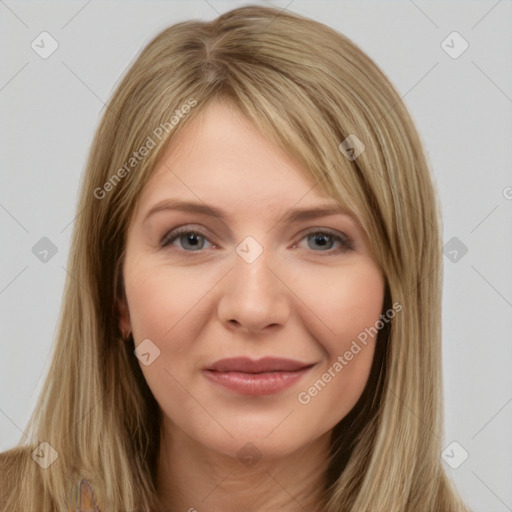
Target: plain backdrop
460,100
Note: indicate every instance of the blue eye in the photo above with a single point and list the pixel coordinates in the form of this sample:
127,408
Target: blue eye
194,241
188,239
326,240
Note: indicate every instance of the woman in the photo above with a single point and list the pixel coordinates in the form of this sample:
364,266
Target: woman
209,356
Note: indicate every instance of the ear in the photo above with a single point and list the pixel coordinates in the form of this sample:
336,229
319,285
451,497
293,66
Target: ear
124,316
123,312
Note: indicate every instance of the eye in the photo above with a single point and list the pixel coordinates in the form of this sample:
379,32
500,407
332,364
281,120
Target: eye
190,240
326,241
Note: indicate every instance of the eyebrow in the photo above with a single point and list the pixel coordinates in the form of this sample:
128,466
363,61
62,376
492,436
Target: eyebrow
294,215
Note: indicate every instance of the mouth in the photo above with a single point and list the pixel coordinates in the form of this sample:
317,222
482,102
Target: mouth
262,377
264,365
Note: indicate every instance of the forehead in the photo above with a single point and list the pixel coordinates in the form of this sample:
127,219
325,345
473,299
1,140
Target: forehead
220,154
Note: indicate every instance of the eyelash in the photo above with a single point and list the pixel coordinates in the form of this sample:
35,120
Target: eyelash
345,243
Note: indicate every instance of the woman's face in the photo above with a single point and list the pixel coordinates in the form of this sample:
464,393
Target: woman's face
264,277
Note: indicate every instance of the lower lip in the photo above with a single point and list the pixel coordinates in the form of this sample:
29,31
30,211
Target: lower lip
256,384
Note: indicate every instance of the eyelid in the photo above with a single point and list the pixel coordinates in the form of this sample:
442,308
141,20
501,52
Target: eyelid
176,232
346,241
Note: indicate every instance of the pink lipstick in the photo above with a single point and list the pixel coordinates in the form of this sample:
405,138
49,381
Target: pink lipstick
265,376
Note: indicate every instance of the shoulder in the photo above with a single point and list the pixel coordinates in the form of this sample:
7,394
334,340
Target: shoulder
12,465
6,461
3,492
16,468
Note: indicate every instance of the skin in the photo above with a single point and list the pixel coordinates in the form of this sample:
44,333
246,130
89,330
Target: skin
200,301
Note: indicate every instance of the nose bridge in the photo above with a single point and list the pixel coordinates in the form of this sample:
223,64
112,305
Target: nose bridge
252,261
254,297
254,275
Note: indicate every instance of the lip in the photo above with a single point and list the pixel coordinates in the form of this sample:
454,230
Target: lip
262,377
265,364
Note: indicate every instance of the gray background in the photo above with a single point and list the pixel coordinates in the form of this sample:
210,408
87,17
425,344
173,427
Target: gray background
50,108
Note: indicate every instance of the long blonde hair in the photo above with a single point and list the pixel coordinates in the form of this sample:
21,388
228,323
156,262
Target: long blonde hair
307,88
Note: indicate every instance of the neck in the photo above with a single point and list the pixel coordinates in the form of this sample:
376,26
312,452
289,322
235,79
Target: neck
194,478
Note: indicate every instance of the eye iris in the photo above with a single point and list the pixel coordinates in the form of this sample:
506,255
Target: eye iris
323,240
193,240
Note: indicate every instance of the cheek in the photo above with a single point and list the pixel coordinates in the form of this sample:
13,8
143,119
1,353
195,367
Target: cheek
160,298
357,301
150,305
164,304
346,311
345,302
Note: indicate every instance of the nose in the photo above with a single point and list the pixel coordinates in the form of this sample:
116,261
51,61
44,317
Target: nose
254,297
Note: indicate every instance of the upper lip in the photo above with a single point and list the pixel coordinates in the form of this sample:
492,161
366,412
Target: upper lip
265,364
